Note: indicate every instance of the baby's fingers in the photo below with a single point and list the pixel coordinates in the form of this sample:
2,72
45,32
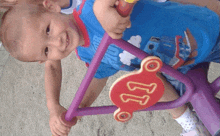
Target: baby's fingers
56,132
119,30
125,20
189,62
193,54
61,130
129,24
124,25
189,39
114,35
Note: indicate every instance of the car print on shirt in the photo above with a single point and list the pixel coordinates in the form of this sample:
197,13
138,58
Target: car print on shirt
172,51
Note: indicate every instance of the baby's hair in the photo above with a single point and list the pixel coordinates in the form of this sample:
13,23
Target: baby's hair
5,7
8,45
6,3
13,44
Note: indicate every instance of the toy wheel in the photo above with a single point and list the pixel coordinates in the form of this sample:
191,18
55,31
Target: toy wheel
123,116
152,65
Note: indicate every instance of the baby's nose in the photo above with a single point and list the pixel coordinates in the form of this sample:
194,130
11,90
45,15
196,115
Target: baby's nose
57,43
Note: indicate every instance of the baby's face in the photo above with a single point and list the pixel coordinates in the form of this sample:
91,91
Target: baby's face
52,36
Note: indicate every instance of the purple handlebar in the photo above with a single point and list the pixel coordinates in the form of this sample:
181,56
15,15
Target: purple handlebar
196,95
198,91
216,85
73,109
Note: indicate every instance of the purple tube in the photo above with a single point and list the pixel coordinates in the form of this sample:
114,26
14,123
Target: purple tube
203,101
216,85
72,111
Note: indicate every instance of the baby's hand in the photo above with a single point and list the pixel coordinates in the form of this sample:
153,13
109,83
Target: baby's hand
57,126
109,18
193,44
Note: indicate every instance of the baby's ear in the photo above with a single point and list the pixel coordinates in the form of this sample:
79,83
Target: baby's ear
51,5
6,4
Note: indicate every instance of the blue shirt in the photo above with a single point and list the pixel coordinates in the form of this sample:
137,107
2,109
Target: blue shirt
156,28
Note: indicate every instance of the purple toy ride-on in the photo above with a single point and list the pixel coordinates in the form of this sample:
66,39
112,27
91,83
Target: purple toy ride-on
199,92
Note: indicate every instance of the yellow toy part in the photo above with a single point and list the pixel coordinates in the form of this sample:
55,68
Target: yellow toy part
130,1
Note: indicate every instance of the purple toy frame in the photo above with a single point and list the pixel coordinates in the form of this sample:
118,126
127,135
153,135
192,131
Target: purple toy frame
198,91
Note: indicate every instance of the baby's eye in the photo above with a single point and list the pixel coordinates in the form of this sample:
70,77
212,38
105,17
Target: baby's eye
46,51
48,29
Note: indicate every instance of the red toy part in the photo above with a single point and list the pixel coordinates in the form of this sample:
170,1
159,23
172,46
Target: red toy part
137,90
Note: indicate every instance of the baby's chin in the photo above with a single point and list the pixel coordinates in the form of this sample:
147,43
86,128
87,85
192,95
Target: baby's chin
68,55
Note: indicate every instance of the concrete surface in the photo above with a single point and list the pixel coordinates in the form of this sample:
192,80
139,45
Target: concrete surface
23,110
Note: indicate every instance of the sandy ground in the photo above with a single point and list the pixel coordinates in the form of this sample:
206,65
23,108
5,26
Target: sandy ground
23,110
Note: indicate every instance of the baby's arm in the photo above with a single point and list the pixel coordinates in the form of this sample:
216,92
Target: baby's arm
111,21
53,78
213,5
